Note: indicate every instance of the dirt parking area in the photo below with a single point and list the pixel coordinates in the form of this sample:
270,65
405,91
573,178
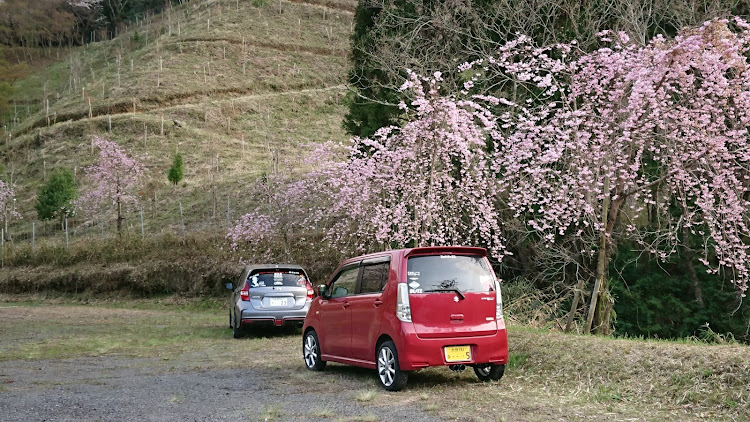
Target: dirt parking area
117,389
174,361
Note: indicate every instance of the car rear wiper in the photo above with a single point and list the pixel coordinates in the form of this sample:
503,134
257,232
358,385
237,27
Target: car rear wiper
456,291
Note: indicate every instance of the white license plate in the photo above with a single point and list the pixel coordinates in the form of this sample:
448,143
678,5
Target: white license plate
277,302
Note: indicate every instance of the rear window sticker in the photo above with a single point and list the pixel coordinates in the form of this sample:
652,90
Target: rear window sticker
448,256
415,290
254,281
413,273
414,284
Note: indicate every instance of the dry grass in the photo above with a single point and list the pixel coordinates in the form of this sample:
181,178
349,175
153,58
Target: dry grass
366,395
551,376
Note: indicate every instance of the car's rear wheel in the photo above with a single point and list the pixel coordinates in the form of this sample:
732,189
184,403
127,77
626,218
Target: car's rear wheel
489,372
311,352
392,378
237,332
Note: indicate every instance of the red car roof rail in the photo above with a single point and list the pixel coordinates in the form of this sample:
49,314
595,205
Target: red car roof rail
440,250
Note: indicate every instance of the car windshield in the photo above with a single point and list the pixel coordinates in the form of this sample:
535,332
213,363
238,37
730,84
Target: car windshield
276,278
448,273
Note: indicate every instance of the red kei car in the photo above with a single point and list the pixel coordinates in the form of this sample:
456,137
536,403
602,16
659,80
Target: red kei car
404,310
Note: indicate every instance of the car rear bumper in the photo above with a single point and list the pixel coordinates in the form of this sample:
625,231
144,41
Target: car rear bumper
416,353
277,318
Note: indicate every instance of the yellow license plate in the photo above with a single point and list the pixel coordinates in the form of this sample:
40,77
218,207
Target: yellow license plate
457,353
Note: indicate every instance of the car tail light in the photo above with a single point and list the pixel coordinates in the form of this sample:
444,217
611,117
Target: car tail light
403,309
498,302
245,293
310,291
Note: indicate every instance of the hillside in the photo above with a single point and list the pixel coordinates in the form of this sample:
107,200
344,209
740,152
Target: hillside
237,89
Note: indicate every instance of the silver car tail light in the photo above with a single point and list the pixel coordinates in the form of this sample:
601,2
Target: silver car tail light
403,309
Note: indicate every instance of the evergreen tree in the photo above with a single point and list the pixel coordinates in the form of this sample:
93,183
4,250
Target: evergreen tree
367,109
175,172
55,197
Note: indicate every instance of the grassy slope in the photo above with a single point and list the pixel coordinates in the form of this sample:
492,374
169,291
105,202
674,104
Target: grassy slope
250,88
551,376
252,84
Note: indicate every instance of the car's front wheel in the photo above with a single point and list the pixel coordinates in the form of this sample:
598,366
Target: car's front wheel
392,378
489,372
311,352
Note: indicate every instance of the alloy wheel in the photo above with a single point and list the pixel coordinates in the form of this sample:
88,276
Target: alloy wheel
311,351
386,366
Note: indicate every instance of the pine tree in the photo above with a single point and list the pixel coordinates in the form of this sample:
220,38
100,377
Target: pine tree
55,197
176,171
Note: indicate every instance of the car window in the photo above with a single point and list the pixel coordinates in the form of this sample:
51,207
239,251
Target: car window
374,277
345,282
436,273
272,278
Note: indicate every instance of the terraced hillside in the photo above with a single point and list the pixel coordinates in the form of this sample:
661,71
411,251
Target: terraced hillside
238,87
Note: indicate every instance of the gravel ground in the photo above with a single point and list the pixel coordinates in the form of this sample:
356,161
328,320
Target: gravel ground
122,389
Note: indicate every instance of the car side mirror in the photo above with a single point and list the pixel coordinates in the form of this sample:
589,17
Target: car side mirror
323,290
229,286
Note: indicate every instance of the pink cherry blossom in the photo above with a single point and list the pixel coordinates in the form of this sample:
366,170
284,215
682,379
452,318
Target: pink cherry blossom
115,178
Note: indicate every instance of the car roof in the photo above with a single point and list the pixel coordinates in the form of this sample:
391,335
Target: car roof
253,267
427,250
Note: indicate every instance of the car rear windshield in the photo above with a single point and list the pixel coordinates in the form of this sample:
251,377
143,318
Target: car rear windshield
276,278
446,273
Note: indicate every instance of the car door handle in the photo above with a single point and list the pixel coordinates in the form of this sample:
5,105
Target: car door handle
346,304
377,302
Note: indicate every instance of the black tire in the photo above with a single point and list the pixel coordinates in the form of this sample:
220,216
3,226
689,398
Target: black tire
237,332
311,352
391,377
231,323
489,372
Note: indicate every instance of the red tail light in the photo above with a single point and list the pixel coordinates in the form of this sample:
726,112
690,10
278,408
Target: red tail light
245,293
310,291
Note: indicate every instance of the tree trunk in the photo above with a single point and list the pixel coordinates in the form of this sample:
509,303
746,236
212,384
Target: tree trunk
603,311
574,306
601,273
601,263
692,275
119,215
599,318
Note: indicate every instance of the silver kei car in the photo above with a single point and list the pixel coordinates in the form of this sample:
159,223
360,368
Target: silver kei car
269,294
